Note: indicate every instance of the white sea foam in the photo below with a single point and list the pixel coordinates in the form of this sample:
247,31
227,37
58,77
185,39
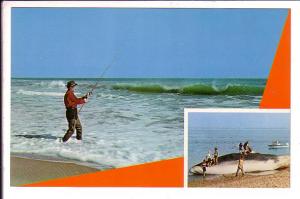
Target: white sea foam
52,84
101,155
25,92
111,96
41,93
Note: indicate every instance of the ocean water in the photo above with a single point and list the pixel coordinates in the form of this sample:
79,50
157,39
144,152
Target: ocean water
227,141
125,122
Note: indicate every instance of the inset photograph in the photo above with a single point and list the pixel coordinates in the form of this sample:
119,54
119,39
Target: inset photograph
247,148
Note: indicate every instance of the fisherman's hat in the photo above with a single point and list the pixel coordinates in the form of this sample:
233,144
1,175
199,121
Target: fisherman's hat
71,84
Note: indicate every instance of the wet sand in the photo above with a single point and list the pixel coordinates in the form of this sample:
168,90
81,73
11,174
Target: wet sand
280,179
26,170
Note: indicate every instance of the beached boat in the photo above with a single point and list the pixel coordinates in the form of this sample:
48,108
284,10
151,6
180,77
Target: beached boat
276,144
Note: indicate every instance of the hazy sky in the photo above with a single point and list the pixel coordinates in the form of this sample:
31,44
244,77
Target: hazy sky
239,120
80,42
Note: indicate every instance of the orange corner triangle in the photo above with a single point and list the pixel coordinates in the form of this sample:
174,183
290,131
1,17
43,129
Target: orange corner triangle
277,91
165,173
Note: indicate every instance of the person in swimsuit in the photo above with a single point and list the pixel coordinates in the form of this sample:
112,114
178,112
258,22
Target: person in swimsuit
240,165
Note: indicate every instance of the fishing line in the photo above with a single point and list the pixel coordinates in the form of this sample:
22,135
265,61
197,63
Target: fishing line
97,82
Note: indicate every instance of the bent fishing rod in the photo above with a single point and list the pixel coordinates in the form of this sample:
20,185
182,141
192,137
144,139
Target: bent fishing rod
97,82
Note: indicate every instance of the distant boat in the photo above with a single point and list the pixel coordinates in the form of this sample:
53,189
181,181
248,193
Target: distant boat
276,145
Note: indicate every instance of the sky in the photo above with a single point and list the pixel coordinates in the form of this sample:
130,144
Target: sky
153,43
239,120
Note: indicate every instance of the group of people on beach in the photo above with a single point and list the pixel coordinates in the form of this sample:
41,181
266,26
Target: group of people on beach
245,148
208,161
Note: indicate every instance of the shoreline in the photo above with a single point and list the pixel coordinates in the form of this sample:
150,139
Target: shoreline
280,179
26,170
32,156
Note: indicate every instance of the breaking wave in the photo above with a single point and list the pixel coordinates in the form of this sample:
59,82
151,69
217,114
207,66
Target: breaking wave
196,89
52,84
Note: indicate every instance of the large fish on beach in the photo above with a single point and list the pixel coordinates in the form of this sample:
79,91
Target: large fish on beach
254,162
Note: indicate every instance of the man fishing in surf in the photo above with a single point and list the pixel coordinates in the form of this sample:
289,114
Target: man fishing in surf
71,102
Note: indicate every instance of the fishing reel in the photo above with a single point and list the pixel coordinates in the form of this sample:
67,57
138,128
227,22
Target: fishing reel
88,95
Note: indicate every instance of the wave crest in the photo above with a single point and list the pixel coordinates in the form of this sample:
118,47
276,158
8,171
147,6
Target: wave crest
196,89
52,84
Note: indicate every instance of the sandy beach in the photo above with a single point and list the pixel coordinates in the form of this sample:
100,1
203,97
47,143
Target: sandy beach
280,179
26,170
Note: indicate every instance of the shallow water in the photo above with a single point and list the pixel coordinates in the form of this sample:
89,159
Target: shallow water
125,122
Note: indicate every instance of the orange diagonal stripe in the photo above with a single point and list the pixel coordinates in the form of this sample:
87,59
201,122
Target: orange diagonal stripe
277,91
165,173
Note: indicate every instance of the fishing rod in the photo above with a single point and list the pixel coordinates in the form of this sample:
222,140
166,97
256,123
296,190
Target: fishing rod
97,82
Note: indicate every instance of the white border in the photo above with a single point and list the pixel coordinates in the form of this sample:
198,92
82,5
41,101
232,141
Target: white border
154,4
214,110
13,192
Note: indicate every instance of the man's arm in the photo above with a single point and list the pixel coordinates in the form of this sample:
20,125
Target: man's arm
73,100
